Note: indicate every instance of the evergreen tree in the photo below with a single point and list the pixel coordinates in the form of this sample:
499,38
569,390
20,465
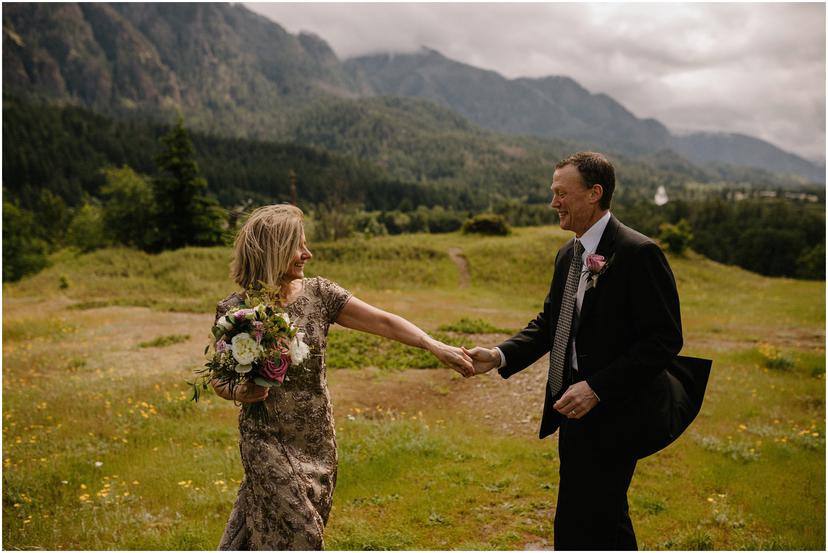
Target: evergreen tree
185,215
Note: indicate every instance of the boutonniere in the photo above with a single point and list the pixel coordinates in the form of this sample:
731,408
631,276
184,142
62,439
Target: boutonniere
596,265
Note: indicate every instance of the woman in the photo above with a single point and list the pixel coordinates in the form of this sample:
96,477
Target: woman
290,463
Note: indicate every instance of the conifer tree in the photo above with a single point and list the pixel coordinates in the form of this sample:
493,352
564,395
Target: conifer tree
185,214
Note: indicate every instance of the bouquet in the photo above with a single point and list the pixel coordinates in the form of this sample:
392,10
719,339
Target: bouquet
255,341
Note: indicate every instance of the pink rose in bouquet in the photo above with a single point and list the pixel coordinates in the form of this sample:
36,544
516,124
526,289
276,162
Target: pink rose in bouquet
271,371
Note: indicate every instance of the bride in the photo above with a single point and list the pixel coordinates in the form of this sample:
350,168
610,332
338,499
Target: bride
290,462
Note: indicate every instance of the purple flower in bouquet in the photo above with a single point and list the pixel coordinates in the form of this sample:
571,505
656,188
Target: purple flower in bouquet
258,331
272,371
221,346
242,313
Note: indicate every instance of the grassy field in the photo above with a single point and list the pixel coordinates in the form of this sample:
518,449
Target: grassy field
102,448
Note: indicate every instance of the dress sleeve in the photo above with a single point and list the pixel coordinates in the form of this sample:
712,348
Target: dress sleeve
334,297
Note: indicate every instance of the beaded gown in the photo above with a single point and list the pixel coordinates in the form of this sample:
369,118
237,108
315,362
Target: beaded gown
290,463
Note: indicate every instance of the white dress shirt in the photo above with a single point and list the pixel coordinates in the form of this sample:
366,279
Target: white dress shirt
589,240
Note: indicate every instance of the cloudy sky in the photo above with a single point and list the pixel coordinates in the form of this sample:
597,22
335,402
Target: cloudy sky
757,69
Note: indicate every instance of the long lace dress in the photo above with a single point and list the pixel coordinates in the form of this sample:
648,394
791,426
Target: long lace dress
290,463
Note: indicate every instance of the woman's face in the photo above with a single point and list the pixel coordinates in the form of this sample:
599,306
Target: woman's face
296,269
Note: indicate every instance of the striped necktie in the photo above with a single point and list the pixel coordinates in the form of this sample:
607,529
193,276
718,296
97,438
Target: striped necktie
557,357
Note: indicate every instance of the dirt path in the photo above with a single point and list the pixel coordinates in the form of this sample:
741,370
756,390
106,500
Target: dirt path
103,343
459,259
510,406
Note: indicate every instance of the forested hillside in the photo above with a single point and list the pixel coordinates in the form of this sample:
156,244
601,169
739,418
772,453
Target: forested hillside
62,150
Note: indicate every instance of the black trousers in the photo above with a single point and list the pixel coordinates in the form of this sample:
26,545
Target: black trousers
592,511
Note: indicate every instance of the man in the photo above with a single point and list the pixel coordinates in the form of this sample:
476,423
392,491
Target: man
611,324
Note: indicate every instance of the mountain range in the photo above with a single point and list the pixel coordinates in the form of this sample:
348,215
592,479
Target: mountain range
559,107
232,72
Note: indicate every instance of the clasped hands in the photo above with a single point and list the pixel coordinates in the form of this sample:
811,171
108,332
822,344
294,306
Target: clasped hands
576,401
453,357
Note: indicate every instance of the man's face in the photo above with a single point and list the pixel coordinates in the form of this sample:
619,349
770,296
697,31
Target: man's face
571,199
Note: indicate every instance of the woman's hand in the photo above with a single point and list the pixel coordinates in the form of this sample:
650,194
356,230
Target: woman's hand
452,357
246,392
483,359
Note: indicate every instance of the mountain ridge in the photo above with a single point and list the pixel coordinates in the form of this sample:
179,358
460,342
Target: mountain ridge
561,108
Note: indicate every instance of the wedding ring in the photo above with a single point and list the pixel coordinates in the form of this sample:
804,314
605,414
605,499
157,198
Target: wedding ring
573,413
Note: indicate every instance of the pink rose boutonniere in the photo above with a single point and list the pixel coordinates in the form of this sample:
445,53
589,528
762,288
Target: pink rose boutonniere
596,265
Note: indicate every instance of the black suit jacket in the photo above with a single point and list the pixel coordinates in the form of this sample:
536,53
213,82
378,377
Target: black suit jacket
628,331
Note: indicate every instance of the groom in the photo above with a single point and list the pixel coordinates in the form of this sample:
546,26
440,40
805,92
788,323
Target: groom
610,323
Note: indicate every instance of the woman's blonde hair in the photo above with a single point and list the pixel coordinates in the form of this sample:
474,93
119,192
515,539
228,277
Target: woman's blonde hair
266,244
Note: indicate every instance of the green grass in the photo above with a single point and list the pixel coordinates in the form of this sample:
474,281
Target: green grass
466,325
348,349
407,483
164,341
749,474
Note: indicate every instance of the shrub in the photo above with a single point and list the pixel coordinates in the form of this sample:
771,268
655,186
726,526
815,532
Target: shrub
369,225
473,326
487,223
23,252
87,231
775,359
811,263
440,220
129,207
332,222
676,237
164,341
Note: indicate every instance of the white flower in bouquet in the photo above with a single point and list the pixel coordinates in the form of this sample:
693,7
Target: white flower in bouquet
245,349
225,324
286,318
299,350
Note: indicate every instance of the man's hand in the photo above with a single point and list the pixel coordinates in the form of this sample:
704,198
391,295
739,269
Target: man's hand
451,356
483,359
577,401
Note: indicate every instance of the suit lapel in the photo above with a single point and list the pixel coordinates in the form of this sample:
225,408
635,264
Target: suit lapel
605,248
